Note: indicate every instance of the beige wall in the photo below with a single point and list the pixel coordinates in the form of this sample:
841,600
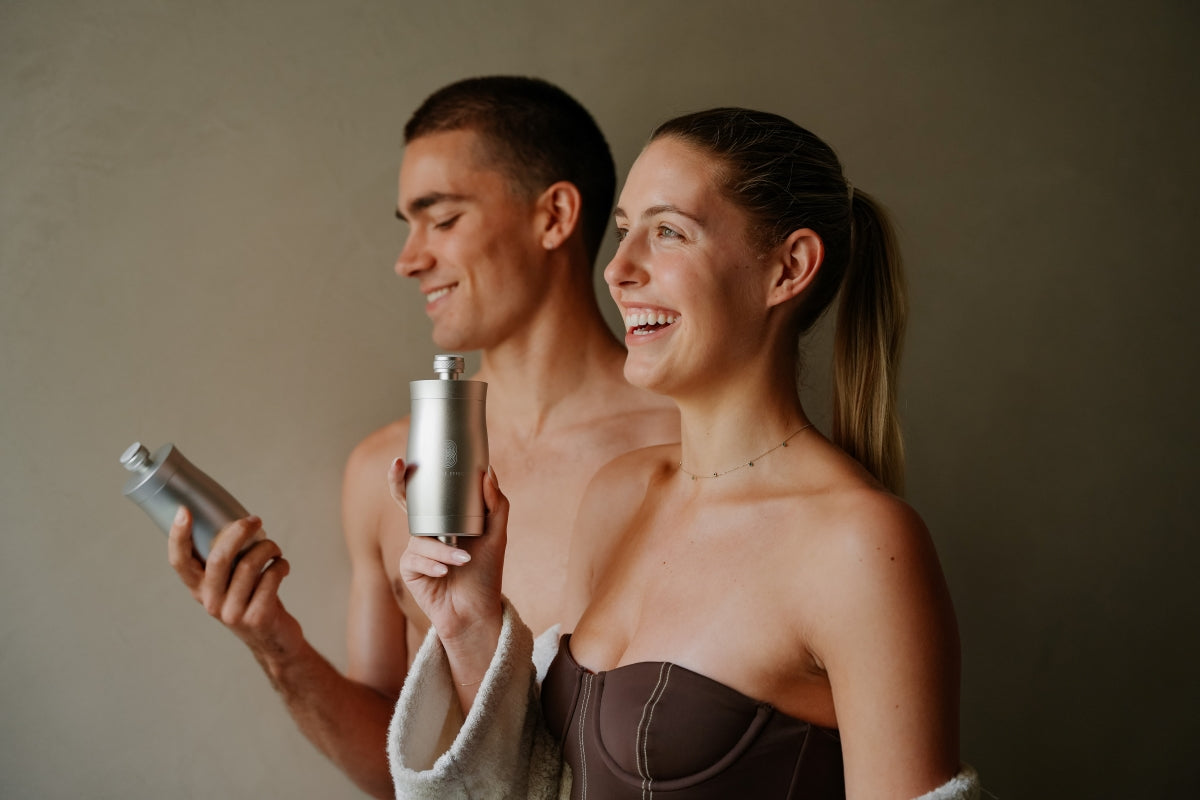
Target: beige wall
196,243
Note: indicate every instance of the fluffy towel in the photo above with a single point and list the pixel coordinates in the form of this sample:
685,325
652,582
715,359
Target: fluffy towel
502,749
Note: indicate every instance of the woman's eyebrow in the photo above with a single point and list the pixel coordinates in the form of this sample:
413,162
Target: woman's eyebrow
661,209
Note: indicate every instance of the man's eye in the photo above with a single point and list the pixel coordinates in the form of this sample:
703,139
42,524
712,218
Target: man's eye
447,223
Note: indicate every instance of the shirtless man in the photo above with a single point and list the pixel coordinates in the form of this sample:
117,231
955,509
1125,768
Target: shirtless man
506,186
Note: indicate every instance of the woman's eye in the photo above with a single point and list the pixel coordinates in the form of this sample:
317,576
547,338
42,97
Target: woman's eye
622,233
447,223
668,232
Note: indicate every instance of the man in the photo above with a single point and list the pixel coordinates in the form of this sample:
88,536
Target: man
506,185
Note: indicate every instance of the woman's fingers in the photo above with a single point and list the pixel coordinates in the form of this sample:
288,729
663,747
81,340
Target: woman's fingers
397,474
425,556
497,505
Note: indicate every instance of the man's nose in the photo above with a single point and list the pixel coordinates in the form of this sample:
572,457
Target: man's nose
414,257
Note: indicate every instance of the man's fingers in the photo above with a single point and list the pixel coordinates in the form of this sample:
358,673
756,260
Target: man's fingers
266,591
247,578
179,550
218,570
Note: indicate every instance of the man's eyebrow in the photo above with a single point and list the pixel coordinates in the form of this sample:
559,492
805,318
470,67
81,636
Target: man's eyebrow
662,209
427,201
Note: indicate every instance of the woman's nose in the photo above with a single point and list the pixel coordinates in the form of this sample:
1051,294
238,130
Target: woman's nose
625,269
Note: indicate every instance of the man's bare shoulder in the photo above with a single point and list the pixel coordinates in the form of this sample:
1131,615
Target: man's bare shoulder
365,497
381,446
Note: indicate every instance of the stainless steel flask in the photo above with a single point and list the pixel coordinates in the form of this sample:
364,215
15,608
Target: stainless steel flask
447,453
161,483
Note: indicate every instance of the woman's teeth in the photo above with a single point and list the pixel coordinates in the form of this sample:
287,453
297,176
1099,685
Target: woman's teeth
438,293
641,323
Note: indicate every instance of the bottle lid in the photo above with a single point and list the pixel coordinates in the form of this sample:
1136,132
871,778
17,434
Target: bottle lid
135,457
150,472
448,366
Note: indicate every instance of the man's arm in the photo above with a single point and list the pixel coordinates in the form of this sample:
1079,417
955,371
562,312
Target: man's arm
346,718
376,629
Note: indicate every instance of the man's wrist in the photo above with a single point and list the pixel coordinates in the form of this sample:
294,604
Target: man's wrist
283,663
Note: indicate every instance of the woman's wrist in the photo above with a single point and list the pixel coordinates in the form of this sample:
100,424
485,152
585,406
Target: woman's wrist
470,650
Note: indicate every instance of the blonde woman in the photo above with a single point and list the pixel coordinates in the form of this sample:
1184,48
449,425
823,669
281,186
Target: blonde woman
753,611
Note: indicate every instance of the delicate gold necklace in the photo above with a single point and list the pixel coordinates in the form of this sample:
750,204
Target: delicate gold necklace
749,463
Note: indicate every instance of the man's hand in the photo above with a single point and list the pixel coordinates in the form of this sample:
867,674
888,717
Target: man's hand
242,592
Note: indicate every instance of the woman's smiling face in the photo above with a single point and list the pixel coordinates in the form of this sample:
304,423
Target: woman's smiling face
689,286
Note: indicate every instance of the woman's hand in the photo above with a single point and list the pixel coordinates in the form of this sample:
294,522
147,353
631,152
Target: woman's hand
458,588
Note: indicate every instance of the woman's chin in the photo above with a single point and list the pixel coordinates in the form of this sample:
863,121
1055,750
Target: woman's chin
650,377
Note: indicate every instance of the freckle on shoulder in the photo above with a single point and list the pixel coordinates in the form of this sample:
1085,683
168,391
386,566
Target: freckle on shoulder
876,523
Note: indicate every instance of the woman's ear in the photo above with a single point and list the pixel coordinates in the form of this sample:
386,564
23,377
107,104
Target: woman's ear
796,262
558,214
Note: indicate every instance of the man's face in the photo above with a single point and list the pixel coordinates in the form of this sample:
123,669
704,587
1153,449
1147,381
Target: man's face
472,241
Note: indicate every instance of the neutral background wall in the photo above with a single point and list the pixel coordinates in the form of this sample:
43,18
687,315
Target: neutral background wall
196,239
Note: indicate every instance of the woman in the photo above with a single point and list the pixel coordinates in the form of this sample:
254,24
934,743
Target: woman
752,612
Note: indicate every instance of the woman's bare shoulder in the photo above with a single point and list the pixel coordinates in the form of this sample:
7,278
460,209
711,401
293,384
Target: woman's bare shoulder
876,572
616,493
636,468
873,528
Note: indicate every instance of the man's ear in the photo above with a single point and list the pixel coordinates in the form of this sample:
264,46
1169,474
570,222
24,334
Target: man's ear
795,263
559,207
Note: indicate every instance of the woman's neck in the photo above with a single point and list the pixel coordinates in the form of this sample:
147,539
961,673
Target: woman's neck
729,425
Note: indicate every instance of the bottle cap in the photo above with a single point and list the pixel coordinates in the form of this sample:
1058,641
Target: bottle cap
135,457
448,366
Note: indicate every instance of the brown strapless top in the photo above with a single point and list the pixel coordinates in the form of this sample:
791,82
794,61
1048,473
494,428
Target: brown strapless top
652,728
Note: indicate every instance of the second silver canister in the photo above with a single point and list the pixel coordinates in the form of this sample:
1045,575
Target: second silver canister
161,483
447,453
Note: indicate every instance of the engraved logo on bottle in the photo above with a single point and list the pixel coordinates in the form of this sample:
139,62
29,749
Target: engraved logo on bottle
449,454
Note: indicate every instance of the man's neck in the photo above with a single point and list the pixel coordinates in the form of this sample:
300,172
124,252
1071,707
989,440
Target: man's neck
564,349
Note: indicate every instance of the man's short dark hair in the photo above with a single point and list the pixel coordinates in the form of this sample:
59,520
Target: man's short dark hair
535,133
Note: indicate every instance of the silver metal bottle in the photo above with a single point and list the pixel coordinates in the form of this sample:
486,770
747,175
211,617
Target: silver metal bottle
447,453
161,483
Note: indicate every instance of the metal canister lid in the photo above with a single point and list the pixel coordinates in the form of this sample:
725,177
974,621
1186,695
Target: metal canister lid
448,366
150,473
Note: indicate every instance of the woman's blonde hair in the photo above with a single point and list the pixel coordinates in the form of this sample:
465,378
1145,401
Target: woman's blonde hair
785,179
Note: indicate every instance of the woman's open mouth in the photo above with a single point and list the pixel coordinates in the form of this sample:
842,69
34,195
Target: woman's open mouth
642,322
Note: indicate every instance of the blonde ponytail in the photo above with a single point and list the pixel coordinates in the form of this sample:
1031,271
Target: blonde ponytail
867,346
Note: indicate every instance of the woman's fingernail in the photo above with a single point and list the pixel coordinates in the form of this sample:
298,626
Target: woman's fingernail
440,569
492,476
461,556
180,515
